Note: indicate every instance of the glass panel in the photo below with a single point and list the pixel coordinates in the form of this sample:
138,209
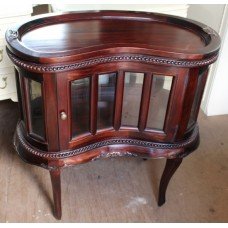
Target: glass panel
36,108
80,105
196,101
159,99
106,99
132,97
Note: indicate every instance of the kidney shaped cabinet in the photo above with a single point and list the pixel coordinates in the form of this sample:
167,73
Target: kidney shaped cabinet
109,83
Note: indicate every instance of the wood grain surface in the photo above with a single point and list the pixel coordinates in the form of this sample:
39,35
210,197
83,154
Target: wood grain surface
70,36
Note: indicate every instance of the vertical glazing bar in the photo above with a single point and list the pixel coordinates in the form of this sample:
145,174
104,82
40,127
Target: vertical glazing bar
93,105
145,101
203,83
27,104
118,100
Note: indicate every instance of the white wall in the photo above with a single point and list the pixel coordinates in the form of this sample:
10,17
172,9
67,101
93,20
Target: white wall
173,9
209,14
215,100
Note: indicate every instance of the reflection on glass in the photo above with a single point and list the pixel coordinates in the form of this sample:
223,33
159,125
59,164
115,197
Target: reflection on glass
159,99
132,98
196,101
106,98
80,106
36,108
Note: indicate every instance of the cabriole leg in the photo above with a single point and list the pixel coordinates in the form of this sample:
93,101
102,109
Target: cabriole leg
56,187
170,168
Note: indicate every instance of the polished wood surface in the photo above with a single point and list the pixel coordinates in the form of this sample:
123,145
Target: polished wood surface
86,34
144,88
170,168
56,187
83,34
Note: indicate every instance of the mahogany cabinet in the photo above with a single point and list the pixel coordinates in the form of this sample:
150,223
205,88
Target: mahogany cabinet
109,83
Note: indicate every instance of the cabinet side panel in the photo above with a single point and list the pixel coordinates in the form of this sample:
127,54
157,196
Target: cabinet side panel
188,101
51,114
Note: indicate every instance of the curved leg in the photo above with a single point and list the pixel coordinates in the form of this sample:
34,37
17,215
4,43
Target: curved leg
170,168
56,188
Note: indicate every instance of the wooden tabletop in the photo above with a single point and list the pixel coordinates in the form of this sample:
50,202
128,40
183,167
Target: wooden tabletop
54,36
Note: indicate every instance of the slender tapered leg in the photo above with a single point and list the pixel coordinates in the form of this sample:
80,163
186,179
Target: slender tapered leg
56,187
170,168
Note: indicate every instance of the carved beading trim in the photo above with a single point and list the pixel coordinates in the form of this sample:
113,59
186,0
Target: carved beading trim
132,142
50,68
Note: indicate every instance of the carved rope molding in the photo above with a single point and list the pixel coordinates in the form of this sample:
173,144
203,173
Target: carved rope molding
50,68
132,142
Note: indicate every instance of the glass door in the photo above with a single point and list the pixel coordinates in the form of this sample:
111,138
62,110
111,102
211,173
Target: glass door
122,103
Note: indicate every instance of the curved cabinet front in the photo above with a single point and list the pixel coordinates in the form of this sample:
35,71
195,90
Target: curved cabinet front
115,101
122,106
105,84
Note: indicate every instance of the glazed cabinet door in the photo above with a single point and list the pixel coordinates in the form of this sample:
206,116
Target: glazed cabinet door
32,105
125,102
38,103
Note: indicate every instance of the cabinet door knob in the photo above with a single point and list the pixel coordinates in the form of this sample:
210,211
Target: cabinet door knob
63,115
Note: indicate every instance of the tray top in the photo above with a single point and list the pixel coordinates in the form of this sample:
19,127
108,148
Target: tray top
50,38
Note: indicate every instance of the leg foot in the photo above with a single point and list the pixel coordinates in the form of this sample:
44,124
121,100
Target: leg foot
56,188
170,168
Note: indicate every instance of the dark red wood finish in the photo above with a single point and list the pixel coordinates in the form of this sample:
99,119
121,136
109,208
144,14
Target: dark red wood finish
57,49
